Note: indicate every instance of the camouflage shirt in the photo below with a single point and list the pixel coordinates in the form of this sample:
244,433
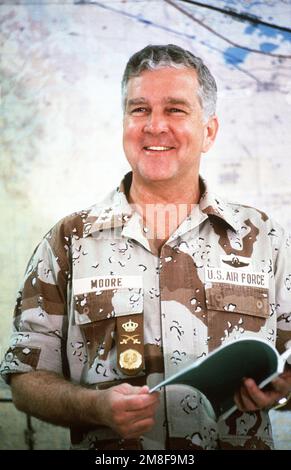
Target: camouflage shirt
100,306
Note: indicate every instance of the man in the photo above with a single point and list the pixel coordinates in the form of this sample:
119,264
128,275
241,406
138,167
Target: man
116,297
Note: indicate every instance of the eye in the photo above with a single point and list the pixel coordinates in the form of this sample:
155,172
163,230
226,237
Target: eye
177,111
139,110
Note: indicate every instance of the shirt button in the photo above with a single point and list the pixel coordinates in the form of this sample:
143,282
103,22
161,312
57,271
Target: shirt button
259,304
86,310
9,357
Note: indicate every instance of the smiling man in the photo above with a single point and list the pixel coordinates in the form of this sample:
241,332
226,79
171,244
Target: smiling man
165,131
116,297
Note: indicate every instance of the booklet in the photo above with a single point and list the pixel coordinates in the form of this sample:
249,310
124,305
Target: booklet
219,375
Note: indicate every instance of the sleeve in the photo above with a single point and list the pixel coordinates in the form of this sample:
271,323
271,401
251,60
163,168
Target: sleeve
38,340
282,273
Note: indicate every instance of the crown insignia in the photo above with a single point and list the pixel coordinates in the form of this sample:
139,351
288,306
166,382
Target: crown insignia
129,326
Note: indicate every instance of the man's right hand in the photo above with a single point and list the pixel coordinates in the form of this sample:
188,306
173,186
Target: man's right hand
128,410
46,395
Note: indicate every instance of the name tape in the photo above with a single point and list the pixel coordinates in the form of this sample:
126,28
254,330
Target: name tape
101,283
232,276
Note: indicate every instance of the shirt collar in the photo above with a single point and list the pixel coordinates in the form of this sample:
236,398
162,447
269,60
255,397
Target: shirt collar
215,207
115,211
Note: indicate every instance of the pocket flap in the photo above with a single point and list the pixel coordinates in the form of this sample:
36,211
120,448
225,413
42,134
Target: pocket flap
252,301
101,305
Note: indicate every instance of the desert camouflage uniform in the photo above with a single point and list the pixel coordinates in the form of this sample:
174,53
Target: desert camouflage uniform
174,312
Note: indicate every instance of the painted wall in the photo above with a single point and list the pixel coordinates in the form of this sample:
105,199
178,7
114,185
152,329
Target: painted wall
60,114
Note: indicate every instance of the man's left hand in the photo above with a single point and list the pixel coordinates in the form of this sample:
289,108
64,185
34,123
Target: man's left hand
250,397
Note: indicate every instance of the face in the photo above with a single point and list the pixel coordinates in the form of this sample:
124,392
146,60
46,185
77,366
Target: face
163,130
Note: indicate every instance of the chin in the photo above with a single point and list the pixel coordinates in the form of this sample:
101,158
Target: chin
156,173
156,176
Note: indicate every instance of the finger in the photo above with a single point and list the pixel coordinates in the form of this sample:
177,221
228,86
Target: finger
127,389
143,390
139,428
262,399
135,416
281,385
238,402
140,402
243,401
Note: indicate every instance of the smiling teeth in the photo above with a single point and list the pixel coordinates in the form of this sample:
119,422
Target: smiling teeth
158,148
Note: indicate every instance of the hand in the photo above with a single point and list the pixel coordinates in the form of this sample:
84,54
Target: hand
128,410
250,397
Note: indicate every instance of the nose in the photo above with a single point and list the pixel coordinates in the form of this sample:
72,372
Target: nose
156,123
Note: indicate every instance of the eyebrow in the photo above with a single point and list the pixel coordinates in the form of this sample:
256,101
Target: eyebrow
177,101
136,101
168,100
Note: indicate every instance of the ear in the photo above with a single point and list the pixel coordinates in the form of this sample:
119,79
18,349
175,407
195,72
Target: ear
210,131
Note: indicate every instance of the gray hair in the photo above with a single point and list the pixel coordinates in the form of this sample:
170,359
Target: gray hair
155,57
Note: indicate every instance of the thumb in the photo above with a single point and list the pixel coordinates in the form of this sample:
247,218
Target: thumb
143,390
127,389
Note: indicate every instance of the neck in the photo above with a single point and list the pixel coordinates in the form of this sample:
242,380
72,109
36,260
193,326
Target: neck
160,192
163,206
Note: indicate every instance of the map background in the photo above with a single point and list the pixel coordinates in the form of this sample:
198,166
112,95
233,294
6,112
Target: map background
60,116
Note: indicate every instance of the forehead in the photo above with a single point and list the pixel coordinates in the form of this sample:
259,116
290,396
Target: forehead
161,83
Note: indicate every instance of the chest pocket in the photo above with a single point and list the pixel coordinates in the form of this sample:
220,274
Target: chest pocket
233,309
112,325
101,305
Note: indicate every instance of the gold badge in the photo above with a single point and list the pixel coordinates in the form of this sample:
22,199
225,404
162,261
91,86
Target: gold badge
130,359
130,326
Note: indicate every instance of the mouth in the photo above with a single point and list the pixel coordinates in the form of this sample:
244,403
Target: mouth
158,149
